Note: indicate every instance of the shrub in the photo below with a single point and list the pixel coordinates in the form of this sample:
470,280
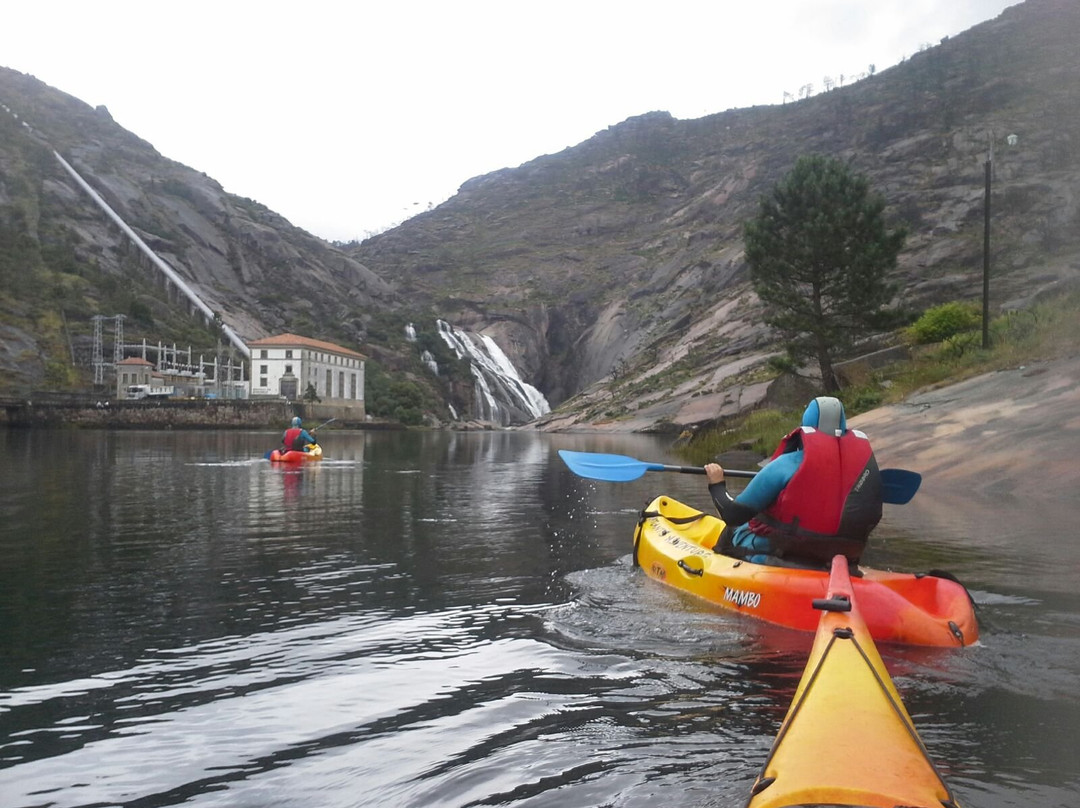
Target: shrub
759,431
391,396
862,399
956,345
941,322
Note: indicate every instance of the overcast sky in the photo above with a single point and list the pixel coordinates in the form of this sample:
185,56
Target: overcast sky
348,117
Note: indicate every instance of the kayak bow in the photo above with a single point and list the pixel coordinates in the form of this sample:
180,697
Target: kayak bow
673,544
847,738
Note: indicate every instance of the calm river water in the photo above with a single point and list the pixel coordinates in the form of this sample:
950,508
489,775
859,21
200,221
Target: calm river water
450,619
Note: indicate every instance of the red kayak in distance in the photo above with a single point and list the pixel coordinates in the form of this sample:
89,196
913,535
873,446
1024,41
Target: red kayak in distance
293,456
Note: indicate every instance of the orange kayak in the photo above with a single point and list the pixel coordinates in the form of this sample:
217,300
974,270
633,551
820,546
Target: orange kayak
673,544
847,738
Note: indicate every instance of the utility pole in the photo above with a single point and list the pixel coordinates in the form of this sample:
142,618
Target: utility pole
989,169
97,359
118,338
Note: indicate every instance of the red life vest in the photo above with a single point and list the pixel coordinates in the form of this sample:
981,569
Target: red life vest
292,436
831,503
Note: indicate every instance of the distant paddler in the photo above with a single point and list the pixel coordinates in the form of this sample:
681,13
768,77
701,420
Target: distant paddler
296,438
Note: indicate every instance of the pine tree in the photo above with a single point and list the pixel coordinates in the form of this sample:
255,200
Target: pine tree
819,254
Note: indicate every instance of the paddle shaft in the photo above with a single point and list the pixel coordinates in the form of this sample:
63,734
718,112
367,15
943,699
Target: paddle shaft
701,470
899,485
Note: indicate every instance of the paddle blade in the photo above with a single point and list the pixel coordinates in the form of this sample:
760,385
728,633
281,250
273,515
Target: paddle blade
898,486
608,467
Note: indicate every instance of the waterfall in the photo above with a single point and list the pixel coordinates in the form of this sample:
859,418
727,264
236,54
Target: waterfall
429,360
410,332
502,397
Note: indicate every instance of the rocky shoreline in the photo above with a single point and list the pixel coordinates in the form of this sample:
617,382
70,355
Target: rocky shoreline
1010,433
1003,445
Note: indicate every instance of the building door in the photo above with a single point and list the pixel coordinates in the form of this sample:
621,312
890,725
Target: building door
288,386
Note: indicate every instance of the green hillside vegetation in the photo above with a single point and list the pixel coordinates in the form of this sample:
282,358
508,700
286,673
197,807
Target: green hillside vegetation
1047,330
49,292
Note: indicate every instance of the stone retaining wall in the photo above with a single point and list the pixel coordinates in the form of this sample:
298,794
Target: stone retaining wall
195,414
858,370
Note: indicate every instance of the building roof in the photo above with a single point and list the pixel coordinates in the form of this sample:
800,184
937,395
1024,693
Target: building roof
296,341
135,360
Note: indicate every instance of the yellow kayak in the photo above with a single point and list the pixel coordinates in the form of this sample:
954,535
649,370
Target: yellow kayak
673,543
847,738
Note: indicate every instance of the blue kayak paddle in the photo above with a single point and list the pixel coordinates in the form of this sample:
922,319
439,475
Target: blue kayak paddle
898,486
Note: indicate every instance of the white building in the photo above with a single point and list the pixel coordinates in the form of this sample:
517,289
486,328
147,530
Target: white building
132,372
286,364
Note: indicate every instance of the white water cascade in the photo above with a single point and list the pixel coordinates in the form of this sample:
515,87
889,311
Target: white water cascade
429,360
502,397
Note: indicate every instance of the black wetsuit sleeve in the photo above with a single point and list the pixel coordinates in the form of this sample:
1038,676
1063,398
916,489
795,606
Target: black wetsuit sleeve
733,513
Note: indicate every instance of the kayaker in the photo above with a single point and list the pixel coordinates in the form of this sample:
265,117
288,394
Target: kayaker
296,438
819,495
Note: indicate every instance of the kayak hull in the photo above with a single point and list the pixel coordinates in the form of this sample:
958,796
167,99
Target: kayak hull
673,544
847,738
293,456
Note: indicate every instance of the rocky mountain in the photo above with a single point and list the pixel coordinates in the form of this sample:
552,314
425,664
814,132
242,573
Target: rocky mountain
611,274
616,267
62,260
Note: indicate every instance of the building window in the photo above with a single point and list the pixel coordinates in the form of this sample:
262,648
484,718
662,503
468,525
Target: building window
262,354
262,382
288,368
352,386
341,384
288,354
262,369
329,384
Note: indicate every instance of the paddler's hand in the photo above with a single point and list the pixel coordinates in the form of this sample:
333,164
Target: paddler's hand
714,472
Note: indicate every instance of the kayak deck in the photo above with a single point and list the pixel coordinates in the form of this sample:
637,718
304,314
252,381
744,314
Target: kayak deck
673,544
847,738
